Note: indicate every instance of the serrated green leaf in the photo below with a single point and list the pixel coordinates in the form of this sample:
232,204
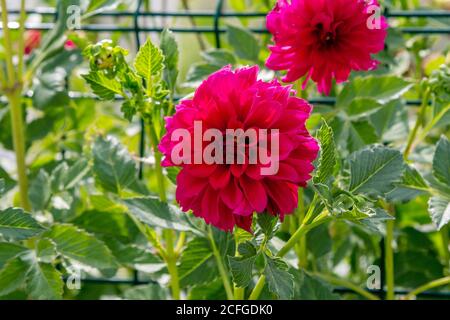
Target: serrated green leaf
75,173
197,264
114,168
308,287
327,161
244,43
267,223
439,209
79,245
149,61
279,280
103,87
441,161
374,170
8,251
242,267
44,282
45,250
155,213
169,48
13,275
411,186
18,224
381,88
151,291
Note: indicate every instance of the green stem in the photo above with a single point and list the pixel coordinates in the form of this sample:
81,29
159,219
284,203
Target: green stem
302,249
258,288
430,285
18,133
301,231
445,241
420,120
389,260
221,266
432,123
239,293
171,261
158,168
347,284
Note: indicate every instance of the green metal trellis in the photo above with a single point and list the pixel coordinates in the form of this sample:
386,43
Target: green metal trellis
217,30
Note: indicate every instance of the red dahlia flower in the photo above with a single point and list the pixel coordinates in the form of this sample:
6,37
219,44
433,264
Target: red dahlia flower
325,39
228,193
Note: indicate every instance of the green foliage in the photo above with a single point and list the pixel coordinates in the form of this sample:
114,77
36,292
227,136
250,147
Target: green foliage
241,267
18,224
245,45
279,280
114,169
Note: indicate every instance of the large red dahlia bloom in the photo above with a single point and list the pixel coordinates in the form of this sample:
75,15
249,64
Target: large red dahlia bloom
325,39
226,195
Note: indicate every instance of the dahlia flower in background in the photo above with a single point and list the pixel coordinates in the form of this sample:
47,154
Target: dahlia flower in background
32,41
227,195
323,39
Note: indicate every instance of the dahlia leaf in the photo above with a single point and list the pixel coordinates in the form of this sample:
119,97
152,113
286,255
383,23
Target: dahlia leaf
363,107
439,209
375,170
309,287
8,251
2,187
327,160
44,282
197,264
244,43
114,168
267,224
169,48
360,134
241,267
18,224
13,275
411,186
155,213
103,87
279,280
77,244
381,88
441,161
149,62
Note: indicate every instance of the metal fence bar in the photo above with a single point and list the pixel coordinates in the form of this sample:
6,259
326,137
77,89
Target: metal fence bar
44,11
114,28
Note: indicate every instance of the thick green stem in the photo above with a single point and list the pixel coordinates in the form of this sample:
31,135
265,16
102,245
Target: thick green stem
389,259
347,284
18,134
171,261
221,266
430,285
158,168
258,288
301,231
239,293
302,249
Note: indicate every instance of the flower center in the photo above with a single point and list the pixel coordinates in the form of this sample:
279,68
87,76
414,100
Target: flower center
325,29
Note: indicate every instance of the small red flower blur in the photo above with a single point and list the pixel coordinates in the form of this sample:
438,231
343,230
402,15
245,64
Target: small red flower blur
32,41
323,39
69,45
227,195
